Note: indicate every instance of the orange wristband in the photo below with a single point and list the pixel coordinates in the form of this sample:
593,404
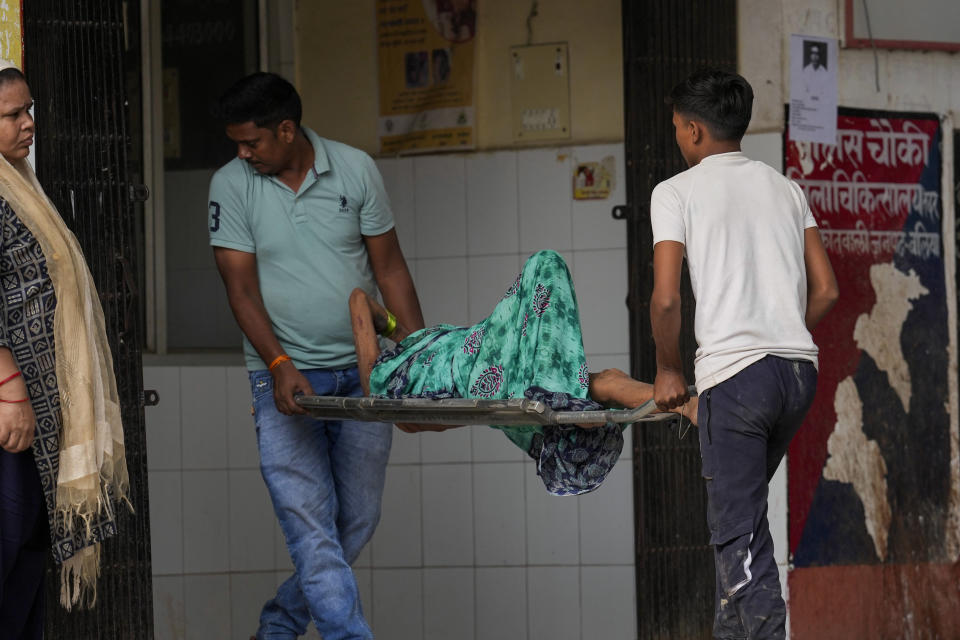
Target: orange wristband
279,359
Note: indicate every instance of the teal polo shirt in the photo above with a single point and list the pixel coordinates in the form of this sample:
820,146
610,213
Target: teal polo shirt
309,246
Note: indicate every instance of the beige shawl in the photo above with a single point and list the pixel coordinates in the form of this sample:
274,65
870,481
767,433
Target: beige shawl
93,467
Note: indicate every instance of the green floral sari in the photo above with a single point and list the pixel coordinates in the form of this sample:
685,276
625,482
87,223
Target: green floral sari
530,346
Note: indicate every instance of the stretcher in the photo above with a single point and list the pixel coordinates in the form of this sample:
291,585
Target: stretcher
472,411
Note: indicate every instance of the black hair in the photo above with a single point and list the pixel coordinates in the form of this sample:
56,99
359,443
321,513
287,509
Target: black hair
722,100
266,99
10,74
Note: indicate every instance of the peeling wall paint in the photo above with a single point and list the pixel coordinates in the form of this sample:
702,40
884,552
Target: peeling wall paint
879,332
856,460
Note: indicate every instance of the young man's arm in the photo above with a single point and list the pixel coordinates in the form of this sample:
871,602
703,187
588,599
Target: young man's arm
822,290
393,278
239,272
670,386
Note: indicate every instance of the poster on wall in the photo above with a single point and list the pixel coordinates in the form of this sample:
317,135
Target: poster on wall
813,89
870,474
426,60
11,32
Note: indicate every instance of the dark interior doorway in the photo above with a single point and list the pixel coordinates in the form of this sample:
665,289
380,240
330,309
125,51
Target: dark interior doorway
664,41
76,59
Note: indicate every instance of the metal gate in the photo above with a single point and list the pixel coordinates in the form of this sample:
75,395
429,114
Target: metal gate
663,41
75,53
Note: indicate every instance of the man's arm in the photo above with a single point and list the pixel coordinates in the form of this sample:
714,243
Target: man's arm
239,272
670,386
393,278
822,290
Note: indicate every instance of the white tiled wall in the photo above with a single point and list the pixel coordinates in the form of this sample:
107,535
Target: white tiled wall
469,545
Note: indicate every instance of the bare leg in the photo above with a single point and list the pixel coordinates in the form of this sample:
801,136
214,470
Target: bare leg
379,315
368,318
364,336
612,387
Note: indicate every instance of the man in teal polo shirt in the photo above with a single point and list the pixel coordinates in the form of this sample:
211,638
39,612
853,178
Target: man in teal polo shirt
296,223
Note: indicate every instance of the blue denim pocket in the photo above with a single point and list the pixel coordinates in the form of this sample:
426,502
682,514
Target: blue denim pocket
261,384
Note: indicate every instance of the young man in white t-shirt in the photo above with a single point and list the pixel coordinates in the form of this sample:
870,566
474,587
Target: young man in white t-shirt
762,280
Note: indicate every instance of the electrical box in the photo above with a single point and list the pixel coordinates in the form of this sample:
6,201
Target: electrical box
540,92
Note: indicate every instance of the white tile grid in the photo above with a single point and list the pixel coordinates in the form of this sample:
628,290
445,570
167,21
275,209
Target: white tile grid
365,587
606,520
441,208
248,592
203,402
785,591
600,278
448,603
163,420
442,287
207,609
545,187
553,534
251,531
488,279
493,223
397,541
168,608
501,603
499,504
608,603
777,513
448,526
242,452
491,445
452,445
398,180
166,522
398,604
779,524
405,448
206,517
364,559
281,556
553,609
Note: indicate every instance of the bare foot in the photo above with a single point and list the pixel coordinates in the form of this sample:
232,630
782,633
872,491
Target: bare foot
689,410
614,388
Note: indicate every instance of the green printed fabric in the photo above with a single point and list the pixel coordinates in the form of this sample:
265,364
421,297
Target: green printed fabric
532,340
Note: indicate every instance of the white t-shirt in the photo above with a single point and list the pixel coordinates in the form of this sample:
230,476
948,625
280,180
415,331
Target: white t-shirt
742,226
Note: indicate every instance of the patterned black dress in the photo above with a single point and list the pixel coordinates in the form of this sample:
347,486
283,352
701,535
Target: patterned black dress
26,327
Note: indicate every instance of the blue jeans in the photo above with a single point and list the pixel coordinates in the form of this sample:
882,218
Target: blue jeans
325,478
745,425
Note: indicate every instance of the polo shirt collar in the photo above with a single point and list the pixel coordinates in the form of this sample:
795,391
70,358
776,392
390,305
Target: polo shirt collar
321,163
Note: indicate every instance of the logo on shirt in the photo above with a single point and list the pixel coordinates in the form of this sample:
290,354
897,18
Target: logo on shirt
343,205
214,216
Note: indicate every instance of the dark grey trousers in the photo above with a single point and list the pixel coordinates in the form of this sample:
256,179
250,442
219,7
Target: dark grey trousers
24,546
746,424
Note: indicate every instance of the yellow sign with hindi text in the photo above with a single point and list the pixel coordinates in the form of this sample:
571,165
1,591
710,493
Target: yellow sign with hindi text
426,60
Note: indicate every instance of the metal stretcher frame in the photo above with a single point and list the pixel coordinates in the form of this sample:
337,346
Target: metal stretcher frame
467,411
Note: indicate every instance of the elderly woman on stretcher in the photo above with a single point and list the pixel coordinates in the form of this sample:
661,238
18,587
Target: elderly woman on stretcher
529,347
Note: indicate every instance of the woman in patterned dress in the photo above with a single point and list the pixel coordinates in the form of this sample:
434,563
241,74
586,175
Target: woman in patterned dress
61,444
530,346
